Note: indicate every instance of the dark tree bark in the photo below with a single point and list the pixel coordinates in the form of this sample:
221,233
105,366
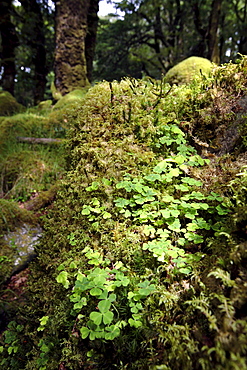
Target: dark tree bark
36,40
213,38
208,46
200,48
76,26
9,43
90,41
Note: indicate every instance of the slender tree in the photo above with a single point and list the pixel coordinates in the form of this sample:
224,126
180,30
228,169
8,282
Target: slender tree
90,40
33,32
9,43
213,32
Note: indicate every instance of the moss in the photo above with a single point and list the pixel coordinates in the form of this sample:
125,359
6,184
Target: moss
72,97
45,104
9,105
29,168
188,69
24,124
26,173
42,200
55,93
218,117
12,215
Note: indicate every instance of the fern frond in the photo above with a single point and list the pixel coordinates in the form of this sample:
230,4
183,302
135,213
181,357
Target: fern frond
224,276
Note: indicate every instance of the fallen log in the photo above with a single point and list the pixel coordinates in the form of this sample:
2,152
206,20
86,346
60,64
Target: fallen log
35,140
43,199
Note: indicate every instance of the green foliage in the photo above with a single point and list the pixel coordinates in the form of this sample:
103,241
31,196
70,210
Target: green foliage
105,289
34,55
11,345
152,37
112,58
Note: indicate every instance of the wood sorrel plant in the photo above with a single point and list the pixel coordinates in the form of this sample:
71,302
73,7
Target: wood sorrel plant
98,293
167,204
172,211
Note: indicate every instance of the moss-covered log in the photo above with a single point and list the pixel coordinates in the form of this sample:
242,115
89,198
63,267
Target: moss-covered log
42,200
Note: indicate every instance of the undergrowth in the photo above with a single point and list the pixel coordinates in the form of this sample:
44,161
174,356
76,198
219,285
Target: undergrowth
142,264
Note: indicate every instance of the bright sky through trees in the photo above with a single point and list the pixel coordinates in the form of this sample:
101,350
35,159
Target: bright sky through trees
105,8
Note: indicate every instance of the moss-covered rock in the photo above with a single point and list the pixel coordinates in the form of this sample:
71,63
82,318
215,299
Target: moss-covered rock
9,105
185,71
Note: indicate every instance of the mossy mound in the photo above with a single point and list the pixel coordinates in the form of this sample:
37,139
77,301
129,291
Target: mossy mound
9,105
219,125
188,69
24,124
28,168
45,106
72,97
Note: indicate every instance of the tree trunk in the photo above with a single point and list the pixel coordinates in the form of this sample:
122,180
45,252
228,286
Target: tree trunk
242,45
70,55
90,41
213,38
9,43
200,48
37,44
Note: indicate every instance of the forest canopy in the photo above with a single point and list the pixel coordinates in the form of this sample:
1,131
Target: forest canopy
149,39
